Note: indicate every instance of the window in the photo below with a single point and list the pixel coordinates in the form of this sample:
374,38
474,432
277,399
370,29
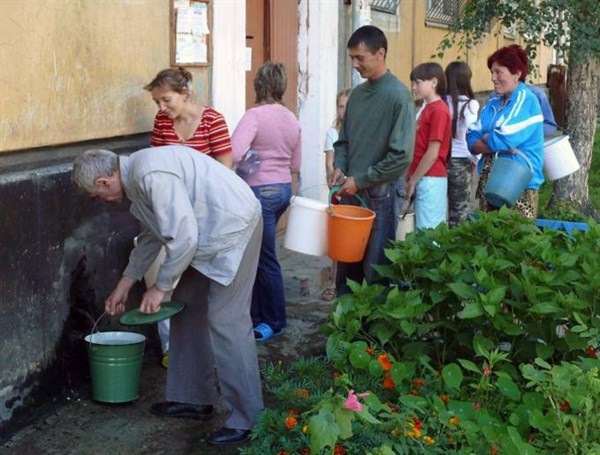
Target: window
443,12
509,32
385,6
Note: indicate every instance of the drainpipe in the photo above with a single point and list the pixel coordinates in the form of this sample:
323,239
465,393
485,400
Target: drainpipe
361,15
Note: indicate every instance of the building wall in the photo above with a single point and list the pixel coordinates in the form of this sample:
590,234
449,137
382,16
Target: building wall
412,41
72,78
62,254
74,70
317,89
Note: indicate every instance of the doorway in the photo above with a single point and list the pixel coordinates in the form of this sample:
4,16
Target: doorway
272,34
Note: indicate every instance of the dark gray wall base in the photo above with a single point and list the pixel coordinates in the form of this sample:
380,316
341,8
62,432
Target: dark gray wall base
61,254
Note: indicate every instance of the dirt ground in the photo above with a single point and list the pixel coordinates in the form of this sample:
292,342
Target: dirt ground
76,425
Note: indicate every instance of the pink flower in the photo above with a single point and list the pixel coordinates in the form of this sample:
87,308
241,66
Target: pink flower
476,406
352,402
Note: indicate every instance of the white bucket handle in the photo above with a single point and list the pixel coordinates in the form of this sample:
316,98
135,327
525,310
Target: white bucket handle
94,329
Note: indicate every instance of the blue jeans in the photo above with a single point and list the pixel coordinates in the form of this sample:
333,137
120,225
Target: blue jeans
268,295
382,200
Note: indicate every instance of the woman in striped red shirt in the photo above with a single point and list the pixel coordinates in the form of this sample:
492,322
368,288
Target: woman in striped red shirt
182,121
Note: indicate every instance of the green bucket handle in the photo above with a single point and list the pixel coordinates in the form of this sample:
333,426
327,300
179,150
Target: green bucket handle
335,189
517,152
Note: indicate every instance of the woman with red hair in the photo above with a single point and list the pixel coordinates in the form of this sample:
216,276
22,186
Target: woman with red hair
511,120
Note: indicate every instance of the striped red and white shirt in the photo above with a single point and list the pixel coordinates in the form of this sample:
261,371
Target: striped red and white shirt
211,136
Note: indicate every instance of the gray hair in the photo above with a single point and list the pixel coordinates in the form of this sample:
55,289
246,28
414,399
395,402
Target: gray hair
90,166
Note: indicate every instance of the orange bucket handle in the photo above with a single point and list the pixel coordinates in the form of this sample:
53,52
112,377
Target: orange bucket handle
335,189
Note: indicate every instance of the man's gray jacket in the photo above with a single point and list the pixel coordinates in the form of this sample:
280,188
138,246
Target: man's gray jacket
201,211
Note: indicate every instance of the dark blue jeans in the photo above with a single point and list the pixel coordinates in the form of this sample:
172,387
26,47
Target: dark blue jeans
268,295
382,200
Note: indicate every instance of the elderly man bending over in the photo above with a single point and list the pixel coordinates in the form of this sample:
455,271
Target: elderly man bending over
211,226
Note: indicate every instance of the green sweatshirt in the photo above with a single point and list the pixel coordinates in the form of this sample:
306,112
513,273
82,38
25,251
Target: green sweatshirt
378,133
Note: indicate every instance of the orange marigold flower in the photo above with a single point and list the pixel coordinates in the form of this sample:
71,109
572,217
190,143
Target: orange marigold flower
384,361
370,351
293,412
494,450
388,383
419,382
414,432
428,440
565,406
453,420
413,392
290,422
339,450
445,398
591,352
417,422
302,393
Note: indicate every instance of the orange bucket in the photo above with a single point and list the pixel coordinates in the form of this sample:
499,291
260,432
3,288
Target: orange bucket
348,230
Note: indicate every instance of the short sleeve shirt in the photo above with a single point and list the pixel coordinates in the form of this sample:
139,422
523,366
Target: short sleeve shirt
211,137
434,124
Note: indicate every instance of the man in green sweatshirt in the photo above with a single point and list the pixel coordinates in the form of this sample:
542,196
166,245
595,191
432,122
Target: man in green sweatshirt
374,148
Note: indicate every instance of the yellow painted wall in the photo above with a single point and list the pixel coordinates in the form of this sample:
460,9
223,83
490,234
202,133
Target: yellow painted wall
411,41
74,70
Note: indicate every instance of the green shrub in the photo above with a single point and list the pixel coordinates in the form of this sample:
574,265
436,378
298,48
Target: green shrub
485,340
500,281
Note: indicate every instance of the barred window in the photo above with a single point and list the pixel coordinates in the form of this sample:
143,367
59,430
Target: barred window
385,6
509,32
443,12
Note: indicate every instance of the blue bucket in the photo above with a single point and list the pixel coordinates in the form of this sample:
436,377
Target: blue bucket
507,180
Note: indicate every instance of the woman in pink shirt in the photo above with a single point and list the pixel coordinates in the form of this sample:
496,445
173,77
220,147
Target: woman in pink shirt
267,152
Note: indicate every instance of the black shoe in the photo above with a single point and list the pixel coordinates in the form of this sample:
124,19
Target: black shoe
228,435
182,410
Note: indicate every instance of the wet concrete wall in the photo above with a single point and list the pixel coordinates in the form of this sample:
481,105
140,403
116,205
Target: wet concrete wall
61,254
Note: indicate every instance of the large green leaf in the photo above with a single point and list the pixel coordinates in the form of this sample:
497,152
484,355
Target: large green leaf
384,331
401,371
463,291
344,417
508,388
546,308
452,376
471,310
470,366
324,430
359,358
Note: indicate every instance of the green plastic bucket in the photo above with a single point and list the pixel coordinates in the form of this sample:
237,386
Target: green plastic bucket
115,365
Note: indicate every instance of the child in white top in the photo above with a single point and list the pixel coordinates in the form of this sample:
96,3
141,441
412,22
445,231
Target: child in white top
332,136
463,109
333,132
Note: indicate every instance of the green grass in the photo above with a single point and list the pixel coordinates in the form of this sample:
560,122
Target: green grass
593,179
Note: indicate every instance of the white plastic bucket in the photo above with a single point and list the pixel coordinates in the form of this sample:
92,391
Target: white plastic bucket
307,227
559,158
405,226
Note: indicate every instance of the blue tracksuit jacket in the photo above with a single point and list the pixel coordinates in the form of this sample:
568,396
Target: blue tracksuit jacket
516,125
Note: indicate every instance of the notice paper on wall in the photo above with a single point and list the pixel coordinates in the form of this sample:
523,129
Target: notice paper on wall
191,39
